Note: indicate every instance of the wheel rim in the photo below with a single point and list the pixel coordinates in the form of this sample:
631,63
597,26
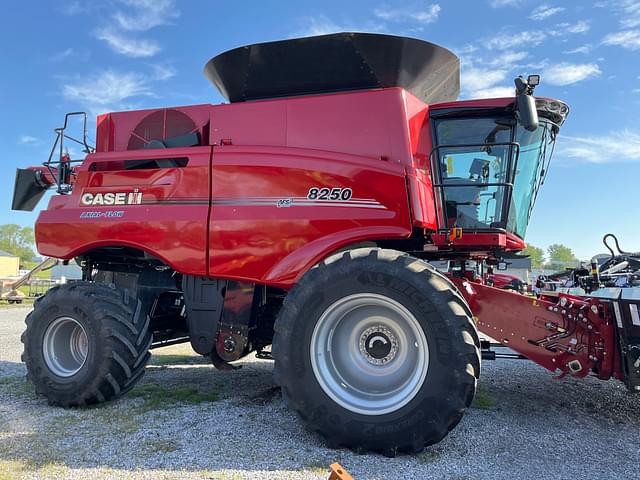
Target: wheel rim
65,346
369,354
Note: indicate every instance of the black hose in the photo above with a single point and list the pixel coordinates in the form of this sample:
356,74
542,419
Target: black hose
615,239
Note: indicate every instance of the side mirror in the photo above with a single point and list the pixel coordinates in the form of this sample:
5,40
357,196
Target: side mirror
526,103
502,265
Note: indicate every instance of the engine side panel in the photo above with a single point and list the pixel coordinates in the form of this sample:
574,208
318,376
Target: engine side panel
162,211
270,219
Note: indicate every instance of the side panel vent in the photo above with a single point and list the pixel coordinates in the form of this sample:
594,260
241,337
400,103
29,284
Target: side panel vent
159,126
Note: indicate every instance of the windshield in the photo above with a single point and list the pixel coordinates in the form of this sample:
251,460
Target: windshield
535,148
489,171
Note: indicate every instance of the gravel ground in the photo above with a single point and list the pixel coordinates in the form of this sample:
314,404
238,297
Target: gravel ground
188,420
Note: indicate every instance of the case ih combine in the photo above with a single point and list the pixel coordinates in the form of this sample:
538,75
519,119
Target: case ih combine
302,216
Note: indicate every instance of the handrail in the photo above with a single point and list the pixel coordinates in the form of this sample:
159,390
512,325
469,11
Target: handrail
63,173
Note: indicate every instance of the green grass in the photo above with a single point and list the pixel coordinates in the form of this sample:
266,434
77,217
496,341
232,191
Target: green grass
46,275
160,446
172,359
157,397
211,475
318,467
12,469
429,456
17,385
26,302
483,401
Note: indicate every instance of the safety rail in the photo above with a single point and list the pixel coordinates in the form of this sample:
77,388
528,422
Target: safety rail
60,169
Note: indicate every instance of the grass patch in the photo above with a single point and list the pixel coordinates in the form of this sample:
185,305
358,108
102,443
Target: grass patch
157,397
120,421
18,386
11,469
318,467
54,470
28,453
173,359
483,401
43,275
210,475
160,446
27,302
429,456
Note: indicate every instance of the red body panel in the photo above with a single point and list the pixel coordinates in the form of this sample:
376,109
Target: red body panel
252,238
501,280
470,241
170,224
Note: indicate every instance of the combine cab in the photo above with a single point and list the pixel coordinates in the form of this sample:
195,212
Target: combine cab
298,221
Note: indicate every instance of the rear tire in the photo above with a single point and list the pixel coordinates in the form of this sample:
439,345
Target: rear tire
397,365
86,343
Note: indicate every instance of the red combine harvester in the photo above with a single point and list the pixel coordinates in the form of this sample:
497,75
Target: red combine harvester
297,222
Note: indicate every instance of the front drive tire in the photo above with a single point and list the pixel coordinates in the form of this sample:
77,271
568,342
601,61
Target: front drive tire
377,351
86,343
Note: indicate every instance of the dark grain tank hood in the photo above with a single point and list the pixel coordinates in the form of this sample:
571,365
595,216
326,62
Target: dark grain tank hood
336,63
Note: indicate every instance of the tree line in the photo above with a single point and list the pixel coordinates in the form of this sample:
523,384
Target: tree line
558,257
18,241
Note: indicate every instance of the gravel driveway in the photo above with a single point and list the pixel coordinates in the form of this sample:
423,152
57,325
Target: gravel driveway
188,420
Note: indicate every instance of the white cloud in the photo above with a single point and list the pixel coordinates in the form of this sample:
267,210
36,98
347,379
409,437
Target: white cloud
76,54
163,72
322,25
582,49
505,41
629,39
136,16
507,59
581,26
475,78
63,54
630,13
489,77
468,48
568,73
544,11
424,15
76,7
107,90
28,140
144,15
493,92
477,82
616,147
504,3
130,47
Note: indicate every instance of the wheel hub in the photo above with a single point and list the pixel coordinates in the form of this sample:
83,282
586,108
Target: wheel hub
378,345
65,346
369,353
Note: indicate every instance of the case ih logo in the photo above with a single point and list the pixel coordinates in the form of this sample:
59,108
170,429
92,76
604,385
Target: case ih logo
111,198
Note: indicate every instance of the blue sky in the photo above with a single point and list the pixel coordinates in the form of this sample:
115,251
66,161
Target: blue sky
105,55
